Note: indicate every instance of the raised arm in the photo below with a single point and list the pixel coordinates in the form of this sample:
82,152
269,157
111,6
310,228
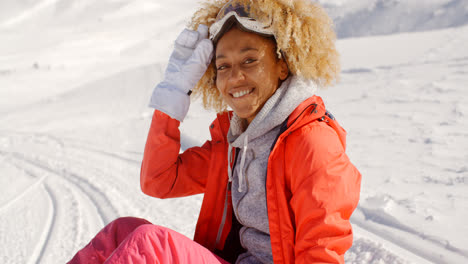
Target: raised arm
165,173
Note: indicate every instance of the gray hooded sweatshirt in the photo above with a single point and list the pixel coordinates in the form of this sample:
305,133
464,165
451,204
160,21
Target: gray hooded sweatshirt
249,175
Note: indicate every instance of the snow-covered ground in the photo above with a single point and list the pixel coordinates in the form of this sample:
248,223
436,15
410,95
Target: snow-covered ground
75,80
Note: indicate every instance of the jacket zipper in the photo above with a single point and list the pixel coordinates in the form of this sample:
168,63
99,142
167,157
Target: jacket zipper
223,219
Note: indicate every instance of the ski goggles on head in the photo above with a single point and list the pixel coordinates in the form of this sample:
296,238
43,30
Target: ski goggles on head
232,13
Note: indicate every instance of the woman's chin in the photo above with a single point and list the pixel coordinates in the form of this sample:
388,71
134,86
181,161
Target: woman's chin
248,115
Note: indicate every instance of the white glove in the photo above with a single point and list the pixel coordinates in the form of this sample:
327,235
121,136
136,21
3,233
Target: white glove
191,57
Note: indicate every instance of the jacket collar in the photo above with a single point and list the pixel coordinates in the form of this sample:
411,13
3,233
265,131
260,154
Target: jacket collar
310,109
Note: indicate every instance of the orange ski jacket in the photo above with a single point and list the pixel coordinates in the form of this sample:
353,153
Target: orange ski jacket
312,187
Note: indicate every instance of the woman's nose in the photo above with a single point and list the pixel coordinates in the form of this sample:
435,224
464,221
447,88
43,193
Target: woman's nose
236,74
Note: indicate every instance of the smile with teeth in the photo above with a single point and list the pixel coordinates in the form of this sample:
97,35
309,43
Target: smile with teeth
241,93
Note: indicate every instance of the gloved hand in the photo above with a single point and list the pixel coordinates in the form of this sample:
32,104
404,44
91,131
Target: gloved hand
191,57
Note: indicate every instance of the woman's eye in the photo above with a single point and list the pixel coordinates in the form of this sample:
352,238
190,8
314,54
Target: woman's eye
248,61
222,67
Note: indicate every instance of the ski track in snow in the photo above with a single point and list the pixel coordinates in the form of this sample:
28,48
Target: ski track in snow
105,208
53,179
39,251
18,197
100,201
54,172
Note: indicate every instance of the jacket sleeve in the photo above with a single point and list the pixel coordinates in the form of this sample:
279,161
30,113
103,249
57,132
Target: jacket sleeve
325,190
164,172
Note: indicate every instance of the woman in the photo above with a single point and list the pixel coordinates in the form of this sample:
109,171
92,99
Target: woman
278,186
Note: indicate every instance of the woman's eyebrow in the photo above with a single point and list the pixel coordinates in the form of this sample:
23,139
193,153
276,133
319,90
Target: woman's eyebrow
221,56
248,49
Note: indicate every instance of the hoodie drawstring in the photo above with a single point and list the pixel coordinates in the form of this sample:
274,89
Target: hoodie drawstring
241,174
229,162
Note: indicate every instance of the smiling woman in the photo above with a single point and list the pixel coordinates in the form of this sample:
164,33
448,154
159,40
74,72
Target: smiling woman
278,186
248,71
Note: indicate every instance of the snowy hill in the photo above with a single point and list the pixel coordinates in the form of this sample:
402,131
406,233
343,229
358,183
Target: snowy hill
76,76
354,18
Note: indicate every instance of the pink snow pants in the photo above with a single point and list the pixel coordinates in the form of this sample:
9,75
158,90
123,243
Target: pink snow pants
135,240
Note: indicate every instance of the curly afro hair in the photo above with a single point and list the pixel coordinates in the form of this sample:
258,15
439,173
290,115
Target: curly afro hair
303,31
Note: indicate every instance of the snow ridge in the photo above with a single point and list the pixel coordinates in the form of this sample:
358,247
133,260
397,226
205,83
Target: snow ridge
383,17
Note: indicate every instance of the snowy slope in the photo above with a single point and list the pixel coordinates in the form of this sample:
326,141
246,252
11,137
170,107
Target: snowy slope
76,76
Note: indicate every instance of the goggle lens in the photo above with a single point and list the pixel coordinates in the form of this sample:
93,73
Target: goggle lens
231,6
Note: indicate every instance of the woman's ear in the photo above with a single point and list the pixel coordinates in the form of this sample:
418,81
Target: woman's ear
283,67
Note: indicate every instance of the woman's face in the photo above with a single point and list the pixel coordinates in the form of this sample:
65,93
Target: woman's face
248,71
